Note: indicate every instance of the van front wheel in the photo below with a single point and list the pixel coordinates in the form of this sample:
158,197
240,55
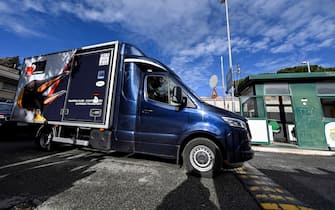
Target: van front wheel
202,157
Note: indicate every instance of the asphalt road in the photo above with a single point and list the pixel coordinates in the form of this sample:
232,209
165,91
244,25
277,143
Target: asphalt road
72,178
309,178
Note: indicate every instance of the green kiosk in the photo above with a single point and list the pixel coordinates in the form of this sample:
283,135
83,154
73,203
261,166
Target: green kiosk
290,108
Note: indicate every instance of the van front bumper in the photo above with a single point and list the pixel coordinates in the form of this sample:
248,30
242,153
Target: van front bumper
238,146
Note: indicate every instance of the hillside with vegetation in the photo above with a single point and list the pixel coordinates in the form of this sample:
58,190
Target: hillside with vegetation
298,69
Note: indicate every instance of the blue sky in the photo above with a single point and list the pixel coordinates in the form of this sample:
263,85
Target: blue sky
188,36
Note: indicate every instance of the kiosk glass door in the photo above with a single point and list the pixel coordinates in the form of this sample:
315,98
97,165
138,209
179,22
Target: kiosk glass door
281,118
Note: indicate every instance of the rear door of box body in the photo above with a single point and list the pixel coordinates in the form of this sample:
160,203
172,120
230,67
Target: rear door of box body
89,86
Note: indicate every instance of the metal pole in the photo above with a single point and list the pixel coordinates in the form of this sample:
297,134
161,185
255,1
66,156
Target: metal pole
229,53
308,67
223,92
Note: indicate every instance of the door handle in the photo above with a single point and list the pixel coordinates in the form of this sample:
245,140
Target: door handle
147,111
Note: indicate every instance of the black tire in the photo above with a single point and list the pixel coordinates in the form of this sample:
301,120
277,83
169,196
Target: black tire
202,157
44,139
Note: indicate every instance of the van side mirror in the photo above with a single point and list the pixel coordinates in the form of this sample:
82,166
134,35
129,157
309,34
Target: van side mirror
177,95
178,99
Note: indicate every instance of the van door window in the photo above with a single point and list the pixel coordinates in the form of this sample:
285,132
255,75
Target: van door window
159,88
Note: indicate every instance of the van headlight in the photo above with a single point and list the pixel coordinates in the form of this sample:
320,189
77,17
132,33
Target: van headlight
235,122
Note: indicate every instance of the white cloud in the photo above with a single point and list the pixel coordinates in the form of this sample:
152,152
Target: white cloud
211,46
328,43
193,33
258,25
260,45
17,19
277,32
241,44
195,76
290,25
4,7
283,48
34,5
165,22
272,64
18,27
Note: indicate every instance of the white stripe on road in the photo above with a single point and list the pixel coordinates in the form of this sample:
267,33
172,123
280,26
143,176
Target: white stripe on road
34,160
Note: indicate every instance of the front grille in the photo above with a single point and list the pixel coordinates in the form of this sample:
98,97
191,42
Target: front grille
245,146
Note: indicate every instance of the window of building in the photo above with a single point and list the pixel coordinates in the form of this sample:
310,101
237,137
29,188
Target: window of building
271,100
276,88
325,88
252,106
8,86
328,107
248,92
286,100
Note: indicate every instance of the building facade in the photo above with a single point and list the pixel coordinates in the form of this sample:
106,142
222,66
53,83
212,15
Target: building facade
227,103
9,78
294,108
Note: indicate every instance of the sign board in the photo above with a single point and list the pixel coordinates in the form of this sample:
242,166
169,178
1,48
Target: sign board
229,80
259,132
330,134
213,81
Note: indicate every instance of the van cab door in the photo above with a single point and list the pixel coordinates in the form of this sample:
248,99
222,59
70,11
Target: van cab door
161,122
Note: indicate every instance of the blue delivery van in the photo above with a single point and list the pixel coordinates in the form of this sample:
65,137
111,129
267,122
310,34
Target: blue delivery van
112,97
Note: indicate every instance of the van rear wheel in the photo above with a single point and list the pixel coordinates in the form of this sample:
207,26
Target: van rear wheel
202,157
43,140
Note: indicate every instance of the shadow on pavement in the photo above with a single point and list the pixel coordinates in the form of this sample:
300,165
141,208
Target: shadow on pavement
10,130
314,189
193,194
26,183
232,194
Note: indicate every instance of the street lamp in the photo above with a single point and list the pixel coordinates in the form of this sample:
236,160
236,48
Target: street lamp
308,67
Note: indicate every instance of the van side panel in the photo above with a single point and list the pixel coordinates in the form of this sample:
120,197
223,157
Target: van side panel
43,78
53,111
127,115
